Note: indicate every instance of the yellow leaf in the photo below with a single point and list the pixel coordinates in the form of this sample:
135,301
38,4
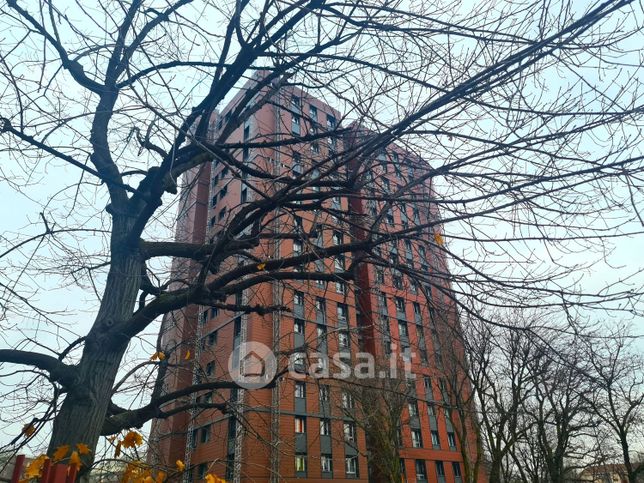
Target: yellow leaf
180,465
83,448
74,460
188,355
61,452
211,479
261,266
158,356
117,450
132,439
148,479
160,477
438,238
28,429
34,469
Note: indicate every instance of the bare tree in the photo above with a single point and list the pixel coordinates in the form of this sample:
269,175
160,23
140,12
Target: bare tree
378,408
618,400
500,375
114,104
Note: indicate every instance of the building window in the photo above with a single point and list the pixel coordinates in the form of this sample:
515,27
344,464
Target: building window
337,238
210,368
405,353
297,248
403,330
421,470
400,304
202,470
315,149
436,441
443,389
326,463
298,326
413,408
300,424
416,438
320,306
451,440
416,306
351,466
244,195
349,432
380,275
222,213
300,463
347,400
456,469
382,301
427,384
300,389
339,263
330,122
325,427
297,163
325,393
341,288
321,332
298,298
389,216
416,215
212,338
295,124
440,469
397,281
299,362
343,340
342,313
205,434
296,104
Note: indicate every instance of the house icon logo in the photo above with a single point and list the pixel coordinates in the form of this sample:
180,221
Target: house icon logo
252,365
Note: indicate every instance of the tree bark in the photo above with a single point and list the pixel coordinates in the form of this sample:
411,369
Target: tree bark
84,409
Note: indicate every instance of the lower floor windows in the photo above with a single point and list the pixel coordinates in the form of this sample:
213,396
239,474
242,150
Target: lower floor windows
326,463
351,466
440,469
451,439
421,470
300,463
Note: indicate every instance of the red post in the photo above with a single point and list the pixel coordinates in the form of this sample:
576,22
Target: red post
46,469
72,471
17,469
58,475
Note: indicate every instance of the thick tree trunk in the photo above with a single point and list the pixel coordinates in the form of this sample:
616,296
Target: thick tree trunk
84,409
495,471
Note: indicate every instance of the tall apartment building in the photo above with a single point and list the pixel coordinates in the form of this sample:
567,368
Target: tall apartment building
302,428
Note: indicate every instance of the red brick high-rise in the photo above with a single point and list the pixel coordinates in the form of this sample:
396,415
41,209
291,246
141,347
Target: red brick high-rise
297,430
